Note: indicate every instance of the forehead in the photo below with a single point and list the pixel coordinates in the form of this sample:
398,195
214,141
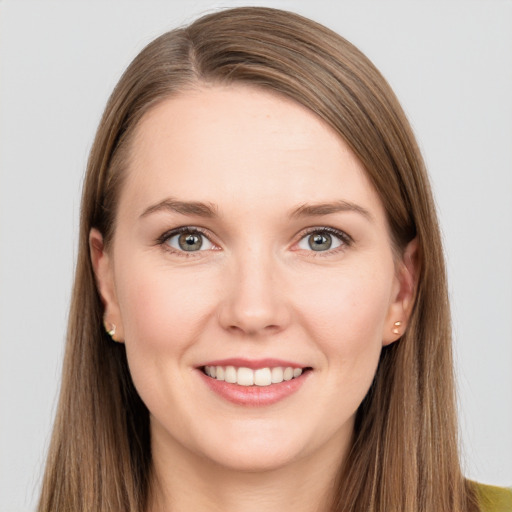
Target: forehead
241,144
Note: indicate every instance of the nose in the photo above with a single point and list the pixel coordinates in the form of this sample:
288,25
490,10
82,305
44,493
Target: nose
254,301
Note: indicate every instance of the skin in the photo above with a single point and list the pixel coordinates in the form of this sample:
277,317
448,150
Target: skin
255,290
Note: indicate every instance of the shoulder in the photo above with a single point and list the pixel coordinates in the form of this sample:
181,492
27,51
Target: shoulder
494,499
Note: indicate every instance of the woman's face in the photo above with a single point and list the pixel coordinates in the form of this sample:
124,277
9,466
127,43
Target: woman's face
249,245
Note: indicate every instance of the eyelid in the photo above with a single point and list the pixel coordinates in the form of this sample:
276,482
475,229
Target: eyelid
163,239
182,229
344,237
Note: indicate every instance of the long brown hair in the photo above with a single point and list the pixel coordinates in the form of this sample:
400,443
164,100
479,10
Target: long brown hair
404,455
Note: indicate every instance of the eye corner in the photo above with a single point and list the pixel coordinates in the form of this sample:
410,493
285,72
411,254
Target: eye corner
328,241
187,241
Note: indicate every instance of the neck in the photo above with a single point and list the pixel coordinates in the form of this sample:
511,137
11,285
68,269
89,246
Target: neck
184,481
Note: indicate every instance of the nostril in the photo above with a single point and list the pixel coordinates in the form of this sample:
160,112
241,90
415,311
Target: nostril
253,330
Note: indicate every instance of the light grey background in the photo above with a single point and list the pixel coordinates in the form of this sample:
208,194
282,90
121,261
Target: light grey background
450,63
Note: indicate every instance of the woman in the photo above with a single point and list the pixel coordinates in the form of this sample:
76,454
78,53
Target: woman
260,316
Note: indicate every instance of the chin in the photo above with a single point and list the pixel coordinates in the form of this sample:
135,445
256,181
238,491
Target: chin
257,446
257,460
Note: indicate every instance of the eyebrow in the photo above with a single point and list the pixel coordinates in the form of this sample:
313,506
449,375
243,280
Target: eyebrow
210,210
196,208
319,209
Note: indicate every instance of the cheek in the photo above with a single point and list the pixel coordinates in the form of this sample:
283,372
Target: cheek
164,311
163,308
347,315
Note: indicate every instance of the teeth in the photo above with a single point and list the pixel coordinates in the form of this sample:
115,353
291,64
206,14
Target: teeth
248,377
277,375
262,377
245,377
230,374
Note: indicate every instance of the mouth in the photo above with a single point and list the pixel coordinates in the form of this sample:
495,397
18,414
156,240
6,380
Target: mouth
255,383
261,377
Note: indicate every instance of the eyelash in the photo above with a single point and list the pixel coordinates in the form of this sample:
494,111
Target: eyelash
192,230
346,240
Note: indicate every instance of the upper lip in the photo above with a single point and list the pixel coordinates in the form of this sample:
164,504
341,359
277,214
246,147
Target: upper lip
254,364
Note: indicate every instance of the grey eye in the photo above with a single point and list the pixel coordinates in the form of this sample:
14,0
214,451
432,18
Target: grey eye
320,241
189,242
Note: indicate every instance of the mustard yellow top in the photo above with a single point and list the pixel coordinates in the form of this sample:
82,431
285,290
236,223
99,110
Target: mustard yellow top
494,499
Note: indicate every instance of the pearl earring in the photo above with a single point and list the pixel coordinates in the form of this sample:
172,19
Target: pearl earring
112,331
397,325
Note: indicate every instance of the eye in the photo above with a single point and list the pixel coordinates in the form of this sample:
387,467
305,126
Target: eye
188,240
321,240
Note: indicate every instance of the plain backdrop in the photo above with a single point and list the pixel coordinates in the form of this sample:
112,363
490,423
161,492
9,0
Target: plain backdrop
450,63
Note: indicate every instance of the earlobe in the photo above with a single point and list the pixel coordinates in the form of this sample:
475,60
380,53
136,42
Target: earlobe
401,307
103,272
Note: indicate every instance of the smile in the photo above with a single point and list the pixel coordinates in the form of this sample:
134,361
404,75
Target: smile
248,377
254,383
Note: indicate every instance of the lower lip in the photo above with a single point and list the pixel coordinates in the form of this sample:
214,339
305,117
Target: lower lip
256,396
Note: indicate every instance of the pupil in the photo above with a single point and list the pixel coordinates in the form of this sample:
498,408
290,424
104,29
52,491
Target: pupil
320,242
190,242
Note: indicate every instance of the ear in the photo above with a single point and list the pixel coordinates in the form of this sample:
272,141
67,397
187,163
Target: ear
104,273
404,294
